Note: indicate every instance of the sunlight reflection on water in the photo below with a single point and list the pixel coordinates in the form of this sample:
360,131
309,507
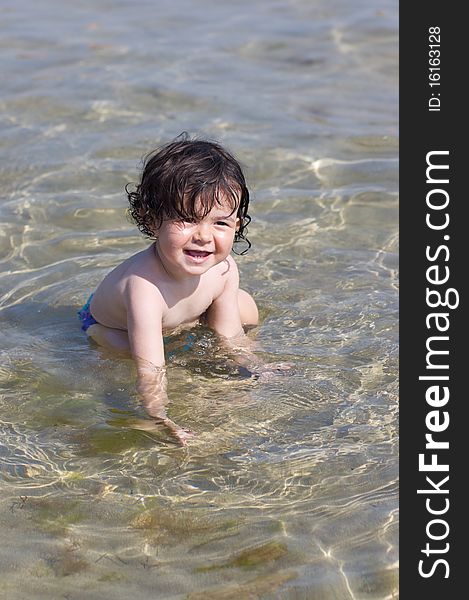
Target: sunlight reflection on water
289,489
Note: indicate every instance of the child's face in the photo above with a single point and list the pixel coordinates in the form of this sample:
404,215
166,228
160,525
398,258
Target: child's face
192,248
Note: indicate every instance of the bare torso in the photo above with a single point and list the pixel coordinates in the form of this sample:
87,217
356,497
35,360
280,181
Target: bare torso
182,302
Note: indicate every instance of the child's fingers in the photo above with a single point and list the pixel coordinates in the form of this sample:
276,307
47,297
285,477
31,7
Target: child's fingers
269,371
283,366
279,368
181,434
184,435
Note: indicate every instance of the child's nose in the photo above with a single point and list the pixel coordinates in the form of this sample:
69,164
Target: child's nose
203,232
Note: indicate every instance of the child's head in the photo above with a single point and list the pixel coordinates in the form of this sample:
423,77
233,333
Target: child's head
183,181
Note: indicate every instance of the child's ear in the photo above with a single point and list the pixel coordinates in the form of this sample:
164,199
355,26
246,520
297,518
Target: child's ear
238,224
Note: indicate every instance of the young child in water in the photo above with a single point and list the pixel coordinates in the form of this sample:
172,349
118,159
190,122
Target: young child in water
193,201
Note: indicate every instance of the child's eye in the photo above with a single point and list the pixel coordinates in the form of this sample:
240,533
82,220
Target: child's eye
222,223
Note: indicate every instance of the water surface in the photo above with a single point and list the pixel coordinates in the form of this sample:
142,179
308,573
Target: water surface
290,489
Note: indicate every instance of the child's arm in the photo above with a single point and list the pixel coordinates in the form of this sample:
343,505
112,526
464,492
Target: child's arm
223,314
144,326
224,318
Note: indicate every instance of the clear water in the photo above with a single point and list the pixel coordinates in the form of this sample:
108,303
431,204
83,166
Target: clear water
290,489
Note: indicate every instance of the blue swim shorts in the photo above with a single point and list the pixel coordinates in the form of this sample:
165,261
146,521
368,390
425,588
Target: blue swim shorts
85,316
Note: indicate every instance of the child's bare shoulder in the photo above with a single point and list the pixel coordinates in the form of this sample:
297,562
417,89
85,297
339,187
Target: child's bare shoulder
231,268
224,271
137,268
132,270
225,275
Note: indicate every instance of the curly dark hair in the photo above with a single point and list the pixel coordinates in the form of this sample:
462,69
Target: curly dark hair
183,180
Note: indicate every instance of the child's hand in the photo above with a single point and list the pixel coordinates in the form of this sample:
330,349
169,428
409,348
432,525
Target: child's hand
155,406
268,371
182,434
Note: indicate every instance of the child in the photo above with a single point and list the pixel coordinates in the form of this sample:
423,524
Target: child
193,201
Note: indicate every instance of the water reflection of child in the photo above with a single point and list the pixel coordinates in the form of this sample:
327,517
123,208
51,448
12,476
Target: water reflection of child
193,201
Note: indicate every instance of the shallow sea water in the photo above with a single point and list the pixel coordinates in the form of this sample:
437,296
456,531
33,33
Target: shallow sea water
290,489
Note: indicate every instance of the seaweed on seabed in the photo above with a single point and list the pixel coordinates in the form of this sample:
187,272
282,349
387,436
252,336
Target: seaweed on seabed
251,557
164,526
56,515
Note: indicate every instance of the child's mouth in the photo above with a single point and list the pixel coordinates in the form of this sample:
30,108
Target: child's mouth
197,255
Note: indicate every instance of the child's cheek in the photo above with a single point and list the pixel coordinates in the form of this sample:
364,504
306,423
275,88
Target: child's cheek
228,235
176,227
179,231
225,233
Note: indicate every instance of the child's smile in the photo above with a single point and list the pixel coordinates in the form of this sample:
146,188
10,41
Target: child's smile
197,256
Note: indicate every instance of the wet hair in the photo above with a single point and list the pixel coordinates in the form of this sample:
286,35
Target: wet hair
183,180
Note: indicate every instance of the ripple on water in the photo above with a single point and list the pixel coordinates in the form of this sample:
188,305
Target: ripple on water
289,489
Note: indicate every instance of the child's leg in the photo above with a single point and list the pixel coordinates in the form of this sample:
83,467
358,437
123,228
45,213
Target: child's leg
247,309
114,339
